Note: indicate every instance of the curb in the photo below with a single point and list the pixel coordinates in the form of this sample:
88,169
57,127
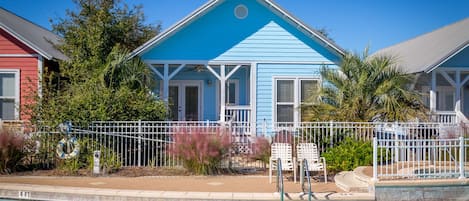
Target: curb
45,192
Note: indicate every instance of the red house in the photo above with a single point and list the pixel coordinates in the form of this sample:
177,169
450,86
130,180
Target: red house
26,52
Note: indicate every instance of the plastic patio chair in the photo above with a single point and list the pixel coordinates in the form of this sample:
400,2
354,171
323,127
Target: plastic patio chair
309,151
282,151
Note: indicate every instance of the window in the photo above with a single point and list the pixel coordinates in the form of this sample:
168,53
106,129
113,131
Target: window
285,100
9,90
232,92
445,97
290,94
309,90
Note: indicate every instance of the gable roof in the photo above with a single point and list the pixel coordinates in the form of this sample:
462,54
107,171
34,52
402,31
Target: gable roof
37,38
206,7
426,52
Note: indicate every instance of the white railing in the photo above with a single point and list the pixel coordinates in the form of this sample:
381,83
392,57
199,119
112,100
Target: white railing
238,113
445,117
461,118
142,143
420,158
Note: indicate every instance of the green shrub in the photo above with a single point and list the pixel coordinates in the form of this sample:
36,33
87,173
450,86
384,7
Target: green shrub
348,155
11,150
201,151
109,159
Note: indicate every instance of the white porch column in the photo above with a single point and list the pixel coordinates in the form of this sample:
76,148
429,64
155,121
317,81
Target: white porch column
222,93
166,84
253,92
457,105
433,92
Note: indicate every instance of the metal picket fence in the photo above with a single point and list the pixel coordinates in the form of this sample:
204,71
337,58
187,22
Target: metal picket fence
414,158
147,143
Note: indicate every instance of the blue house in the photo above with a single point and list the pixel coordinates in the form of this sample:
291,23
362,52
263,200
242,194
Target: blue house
241,60
440,61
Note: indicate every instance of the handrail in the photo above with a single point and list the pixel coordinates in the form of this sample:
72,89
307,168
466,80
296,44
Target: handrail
305,170
280,179
461,117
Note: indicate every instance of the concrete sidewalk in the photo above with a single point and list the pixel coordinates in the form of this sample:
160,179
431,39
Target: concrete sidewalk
162,188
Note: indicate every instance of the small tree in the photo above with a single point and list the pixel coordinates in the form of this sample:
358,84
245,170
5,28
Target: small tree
99,82
366,89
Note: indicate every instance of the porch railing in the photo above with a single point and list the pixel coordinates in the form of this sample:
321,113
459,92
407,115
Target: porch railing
444,117
238,113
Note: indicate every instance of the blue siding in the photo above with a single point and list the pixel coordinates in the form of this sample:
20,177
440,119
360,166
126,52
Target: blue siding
459,60
273,43
262,37
219,35
265,75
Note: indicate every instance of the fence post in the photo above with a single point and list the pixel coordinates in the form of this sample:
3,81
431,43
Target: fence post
397,144
331,125
264,128
375,159
139,148
461,158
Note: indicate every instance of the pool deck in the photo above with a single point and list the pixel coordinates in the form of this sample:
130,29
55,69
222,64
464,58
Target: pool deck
163,188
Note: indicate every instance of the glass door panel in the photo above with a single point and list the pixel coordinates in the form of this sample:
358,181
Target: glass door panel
174,102
192,103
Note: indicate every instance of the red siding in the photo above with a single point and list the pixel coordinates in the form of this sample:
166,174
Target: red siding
28,67
10,45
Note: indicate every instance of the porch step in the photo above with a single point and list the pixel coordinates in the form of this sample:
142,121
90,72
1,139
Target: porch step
349,181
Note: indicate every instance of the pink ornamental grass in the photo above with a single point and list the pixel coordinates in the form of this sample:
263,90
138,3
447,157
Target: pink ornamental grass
201,150
11,150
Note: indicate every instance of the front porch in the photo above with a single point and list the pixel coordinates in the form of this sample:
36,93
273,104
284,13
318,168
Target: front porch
446,93
192,90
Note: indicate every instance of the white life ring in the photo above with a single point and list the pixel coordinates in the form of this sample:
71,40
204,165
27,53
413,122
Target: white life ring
60,148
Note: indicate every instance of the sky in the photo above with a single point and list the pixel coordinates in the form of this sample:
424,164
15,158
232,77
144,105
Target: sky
352,24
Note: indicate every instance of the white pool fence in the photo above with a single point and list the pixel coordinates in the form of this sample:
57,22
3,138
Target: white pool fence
401,150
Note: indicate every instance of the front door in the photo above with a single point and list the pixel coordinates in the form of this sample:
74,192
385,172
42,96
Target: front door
185,100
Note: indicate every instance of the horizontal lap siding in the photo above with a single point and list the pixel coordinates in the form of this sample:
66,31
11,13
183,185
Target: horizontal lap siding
265,75
10,45
273,43
460,60
28,76
26,65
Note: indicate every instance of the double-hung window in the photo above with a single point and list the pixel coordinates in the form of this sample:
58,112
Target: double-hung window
290,94
9,94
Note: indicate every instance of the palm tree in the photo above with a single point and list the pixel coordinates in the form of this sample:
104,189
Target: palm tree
119,71
366,88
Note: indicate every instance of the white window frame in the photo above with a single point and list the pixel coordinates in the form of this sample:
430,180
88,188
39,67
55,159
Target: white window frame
16,97
297,94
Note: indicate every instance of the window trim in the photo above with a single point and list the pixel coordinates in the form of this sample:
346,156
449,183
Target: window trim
16,97
296,94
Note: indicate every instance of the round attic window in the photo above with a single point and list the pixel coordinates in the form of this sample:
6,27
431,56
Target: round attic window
241,11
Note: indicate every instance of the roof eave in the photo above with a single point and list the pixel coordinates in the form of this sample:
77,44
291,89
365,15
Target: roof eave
447,57
307,28
26,42
143,48
173,28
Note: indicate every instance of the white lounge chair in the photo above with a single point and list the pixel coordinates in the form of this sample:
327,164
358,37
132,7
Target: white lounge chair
309,151
282,151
